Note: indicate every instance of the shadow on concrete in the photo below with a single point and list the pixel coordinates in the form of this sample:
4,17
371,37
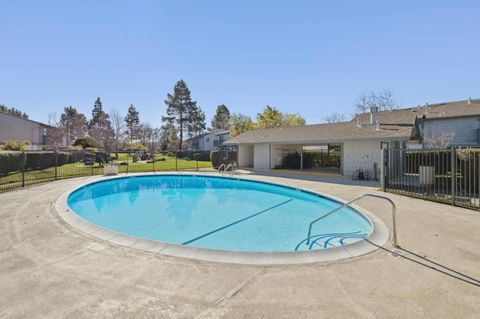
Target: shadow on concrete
343,180
425,262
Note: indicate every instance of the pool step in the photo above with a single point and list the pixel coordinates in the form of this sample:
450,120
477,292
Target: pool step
328,240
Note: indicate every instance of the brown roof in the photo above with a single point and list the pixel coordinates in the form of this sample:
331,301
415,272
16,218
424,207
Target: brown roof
431,111
393,124
319,133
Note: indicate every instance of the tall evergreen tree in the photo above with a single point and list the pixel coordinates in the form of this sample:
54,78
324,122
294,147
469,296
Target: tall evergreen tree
182,112
221,119
197,123
100,127
132,121
13,111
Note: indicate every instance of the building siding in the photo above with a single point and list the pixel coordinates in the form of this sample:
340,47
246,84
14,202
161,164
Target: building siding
465,129
245,155
15,128
261,156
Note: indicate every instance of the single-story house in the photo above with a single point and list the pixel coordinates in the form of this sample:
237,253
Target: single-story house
360,140
208,140
20,129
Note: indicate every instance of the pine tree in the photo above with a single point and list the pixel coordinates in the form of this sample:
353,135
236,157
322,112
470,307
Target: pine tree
196,123
100,128
132,121
183,112
221,119
13,111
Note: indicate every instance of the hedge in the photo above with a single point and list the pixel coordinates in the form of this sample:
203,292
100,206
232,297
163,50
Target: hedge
195,155
310,159
13,161
10,162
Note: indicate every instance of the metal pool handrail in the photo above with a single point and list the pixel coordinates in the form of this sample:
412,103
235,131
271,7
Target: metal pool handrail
394,210
220,168
231,169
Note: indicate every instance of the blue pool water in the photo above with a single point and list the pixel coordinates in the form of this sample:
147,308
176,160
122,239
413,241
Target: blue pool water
217,213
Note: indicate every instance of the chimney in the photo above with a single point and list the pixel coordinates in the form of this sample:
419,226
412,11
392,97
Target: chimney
358,120
469,100
373,115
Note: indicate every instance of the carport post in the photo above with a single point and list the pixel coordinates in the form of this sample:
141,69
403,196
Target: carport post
301,159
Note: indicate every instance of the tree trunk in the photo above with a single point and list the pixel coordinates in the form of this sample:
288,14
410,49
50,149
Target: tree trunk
181,131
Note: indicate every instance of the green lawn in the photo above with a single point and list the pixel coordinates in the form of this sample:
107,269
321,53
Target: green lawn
14,180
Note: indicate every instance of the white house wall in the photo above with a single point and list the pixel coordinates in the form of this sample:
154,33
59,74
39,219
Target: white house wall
360,155
15,128
261,156
245,155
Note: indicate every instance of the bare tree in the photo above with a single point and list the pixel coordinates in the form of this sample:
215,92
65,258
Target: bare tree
335,118
55,132
118,126
383,100
365,102
441,141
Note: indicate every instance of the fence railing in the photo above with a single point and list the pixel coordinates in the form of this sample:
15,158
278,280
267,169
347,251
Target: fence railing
445,175
19,169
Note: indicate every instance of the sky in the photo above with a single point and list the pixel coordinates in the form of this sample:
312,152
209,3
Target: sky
306,57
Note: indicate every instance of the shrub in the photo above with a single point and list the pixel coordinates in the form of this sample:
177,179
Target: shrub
12,145
201,155
184,154
215,158
84,142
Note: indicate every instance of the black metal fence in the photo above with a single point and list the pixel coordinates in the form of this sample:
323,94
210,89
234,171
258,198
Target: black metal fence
445,175
19,169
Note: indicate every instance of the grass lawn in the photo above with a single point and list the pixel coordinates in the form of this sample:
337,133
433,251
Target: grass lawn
14,180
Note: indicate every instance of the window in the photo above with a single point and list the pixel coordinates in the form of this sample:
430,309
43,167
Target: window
383,145
208,139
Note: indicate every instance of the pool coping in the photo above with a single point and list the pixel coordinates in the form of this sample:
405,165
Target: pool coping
379,235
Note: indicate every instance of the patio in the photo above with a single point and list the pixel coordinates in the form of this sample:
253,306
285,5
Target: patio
50,270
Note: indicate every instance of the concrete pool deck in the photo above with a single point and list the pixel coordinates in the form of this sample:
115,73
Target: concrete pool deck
47,269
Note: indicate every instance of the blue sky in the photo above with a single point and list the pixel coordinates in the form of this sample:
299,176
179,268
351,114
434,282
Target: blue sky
310,57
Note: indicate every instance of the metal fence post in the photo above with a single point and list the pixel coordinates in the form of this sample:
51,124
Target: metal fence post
24,160
127,161
56,164
453,173
176,161
382,170
197,165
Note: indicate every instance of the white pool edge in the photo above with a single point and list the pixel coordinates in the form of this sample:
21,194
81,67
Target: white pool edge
378,236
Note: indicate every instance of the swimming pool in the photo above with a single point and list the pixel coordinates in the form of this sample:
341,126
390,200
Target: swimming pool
217,213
